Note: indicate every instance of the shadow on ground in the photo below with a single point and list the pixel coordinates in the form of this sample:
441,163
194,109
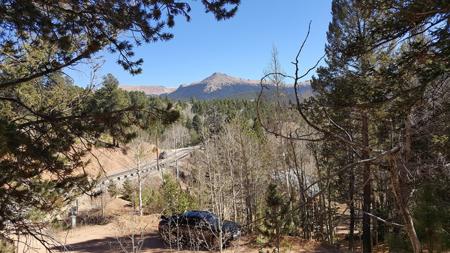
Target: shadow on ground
152,243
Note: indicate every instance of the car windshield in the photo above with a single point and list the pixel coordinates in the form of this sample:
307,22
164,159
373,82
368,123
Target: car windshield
207,216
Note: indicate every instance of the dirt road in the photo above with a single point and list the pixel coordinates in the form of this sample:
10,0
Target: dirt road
118,235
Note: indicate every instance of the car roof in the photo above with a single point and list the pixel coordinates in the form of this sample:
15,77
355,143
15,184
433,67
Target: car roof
199,214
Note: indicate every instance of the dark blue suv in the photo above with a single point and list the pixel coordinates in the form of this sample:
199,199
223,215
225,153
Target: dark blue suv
197,229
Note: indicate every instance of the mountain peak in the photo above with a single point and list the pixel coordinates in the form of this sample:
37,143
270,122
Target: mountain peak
218,74
218,80
217,77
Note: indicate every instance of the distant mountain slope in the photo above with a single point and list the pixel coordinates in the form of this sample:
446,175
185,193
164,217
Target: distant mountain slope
150,90
221,86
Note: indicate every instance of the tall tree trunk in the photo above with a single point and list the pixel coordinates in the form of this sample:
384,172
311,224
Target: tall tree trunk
140,186
374,211
233,188
351,193
248,197
329,211
367,190
400,189
401,202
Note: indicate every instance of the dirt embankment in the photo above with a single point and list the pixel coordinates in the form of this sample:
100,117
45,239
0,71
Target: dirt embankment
110,161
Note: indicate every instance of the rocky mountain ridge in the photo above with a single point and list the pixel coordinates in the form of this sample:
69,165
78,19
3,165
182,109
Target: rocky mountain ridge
216,86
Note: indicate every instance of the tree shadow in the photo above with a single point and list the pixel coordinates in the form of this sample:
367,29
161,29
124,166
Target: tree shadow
152,242
114,244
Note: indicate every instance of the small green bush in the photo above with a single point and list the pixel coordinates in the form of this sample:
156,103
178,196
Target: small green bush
6,246
169,199
398,242
113,190
175,199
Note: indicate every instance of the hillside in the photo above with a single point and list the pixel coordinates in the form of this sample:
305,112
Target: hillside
149,90
104,161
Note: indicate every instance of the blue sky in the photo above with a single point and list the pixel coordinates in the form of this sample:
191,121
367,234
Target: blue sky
239,47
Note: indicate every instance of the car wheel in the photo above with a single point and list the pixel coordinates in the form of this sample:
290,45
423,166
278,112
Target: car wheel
171,238
212,244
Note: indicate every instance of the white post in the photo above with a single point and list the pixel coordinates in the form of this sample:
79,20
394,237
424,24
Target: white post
74,221
73,215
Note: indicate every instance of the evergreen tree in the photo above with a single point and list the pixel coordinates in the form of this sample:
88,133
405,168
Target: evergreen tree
175,200
129,193
372,88
128,190
112,189
274,216
432,214
47,127
197,124
344,84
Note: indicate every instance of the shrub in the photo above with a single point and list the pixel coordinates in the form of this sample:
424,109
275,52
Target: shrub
169,199
6,246
175,199
112,189
432,216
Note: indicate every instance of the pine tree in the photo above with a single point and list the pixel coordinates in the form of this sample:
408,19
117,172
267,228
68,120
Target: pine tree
175,200
112,189
274,216
343,85
197,124
128,191
373,87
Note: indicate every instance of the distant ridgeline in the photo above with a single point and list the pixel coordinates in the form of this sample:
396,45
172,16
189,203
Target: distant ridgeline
221,86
